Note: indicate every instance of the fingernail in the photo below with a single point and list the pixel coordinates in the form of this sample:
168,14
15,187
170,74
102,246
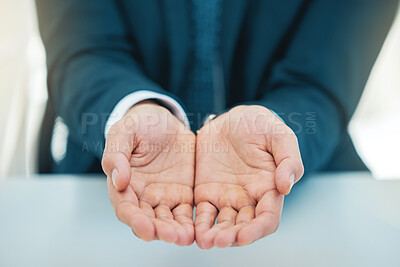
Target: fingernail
114,177
291,180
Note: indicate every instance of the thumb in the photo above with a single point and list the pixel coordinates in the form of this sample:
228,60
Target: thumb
117,153
288,172
286,153
117,167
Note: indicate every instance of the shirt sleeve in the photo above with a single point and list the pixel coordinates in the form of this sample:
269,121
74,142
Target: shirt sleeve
132,99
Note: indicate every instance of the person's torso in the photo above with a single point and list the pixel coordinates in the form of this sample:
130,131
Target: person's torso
253,36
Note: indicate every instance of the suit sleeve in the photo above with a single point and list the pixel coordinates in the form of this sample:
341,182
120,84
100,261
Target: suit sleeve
92,64
316,83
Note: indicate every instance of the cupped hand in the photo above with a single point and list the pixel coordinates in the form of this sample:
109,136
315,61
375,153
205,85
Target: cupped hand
246,160
149,162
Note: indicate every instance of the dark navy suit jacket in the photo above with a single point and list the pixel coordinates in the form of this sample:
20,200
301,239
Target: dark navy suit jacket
308,60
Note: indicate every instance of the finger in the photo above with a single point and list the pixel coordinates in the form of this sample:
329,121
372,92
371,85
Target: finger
226,219
180,236
205,218
245,215
266,221
118,149
227,237
130,214
261,226
117,197
285,150
147,209
183,239
163,212
165,229
183,214
222,234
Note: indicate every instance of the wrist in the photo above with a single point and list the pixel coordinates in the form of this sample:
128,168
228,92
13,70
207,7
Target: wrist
147,107
150,112
145,102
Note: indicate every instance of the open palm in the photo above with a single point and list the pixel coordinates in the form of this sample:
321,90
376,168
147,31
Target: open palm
157,202
235,179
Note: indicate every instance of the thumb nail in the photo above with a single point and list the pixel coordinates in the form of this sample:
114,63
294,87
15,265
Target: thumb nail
114,177
291,180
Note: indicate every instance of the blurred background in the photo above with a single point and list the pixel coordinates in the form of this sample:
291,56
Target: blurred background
374,128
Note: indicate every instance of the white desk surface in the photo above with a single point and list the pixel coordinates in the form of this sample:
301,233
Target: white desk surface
345,219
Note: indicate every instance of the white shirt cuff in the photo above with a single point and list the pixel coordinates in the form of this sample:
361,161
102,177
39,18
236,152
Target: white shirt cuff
130,100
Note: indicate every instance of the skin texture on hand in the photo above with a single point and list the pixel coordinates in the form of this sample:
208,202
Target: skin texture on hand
149,162
246,160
